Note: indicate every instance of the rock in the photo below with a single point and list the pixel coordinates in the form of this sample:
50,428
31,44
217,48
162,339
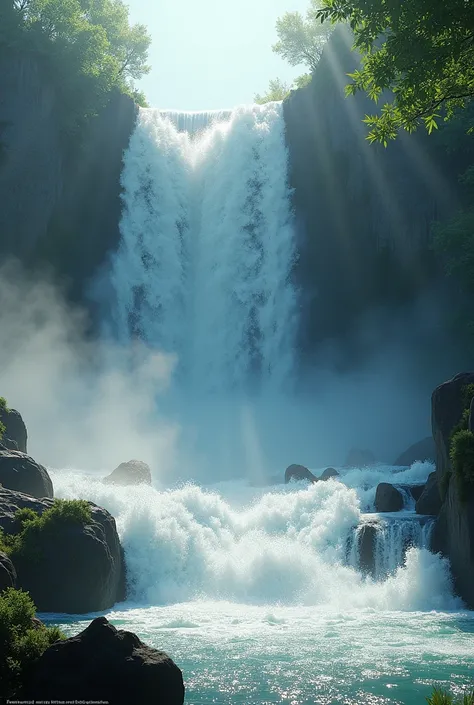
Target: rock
429,501
416,491
447,406
388,498
299,472
76,569
15,429
7,572
104,664
453,534
329,472
134,472
367,536
423,450
359,458
21,473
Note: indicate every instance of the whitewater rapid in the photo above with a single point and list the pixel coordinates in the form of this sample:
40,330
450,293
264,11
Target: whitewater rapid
204,266
281,545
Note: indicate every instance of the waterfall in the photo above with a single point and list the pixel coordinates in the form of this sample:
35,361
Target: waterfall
378,545
204,266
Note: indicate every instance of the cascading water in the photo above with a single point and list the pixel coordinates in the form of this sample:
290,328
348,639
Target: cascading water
204,265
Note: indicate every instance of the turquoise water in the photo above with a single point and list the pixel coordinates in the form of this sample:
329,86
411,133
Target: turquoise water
234,654
249,590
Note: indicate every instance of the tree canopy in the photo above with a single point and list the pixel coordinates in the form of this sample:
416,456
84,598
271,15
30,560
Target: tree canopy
90,46
301,39
421,50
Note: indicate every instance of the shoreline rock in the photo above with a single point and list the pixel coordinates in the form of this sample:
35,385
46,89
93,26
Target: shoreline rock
76,569
20,473
103,663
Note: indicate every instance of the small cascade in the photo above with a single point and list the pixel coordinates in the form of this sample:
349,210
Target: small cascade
378,546
408,499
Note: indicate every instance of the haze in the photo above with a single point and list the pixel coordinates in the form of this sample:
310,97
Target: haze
212,54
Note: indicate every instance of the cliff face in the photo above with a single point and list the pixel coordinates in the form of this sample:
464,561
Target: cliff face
31,164
363,211
59,196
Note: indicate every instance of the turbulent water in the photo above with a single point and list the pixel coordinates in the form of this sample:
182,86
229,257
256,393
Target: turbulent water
256,592
252,592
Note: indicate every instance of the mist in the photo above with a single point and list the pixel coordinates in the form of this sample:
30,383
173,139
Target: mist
90,404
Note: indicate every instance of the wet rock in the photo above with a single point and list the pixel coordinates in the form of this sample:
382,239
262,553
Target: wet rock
388,498
105,664
74,568
429,501
21,473
133,472
299,472
329,472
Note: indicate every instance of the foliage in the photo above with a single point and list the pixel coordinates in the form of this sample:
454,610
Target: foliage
21,640
3,407
30,525
277,90
301,39
442,697
422,50
462,460
89,46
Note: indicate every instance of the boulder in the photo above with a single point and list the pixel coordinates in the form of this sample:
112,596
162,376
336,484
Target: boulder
388,498
423,450
133,472
7,573
329,472
429,501
15,436
21,473
107,665
453,534
359,458
299,472
77,569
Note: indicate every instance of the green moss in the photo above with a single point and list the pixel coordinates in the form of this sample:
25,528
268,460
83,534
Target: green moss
21,643
30,527
3,407
461,450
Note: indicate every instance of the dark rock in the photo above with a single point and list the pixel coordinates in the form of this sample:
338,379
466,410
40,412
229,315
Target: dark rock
453,534
134,472
7,572
429,501
329,472
299,472
366,536
21,473
471,416
447,406
76,569
9,444
102,663
388,498
416,491
15,429
423,450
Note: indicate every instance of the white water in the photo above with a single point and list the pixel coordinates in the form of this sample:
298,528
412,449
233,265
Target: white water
249,590
259,546
203,269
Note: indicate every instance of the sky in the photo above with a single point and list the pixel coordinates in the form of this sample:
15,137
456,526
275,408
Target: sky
211,54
